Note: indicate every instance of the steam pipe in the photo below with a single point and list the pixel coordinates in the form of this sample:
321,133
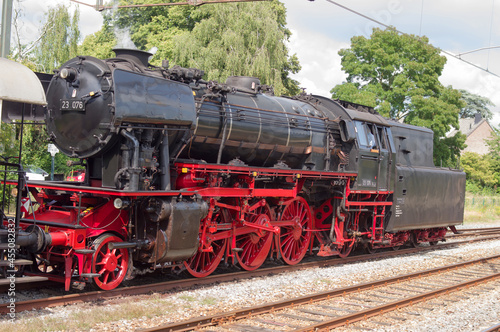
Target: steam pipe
134,170
165,162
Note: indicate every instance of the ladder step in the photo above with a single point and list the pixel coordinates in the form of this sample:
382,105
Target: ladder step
23,280
17,262
84,251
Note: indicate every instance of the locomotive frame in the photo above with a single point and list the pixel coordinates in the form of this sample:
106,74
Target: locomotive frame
185,174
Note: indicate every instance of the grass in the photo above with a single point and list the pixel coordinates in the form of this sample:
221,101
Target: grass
89,316
86,318
481,209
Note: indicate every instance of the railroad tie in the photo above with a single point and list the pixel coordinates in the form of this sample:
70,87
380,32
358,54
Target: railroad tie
247,328
379,323
386,297
365,300
336,309
319,313
272,322
420,287
300,318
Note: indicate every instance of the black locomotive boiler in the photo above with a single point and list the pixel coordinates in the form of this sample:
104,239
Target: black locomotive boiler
184,173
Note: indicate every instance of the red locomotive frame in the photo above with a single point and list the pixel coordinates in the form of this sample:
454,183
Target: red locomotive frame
245,224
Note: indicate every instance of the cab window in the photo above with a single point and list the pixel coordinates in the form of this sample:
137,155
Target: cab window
382,138
371,136
360,129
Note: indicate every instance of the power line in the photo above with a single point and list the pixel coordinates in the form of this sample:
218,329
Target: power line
408,35
478,49
189,2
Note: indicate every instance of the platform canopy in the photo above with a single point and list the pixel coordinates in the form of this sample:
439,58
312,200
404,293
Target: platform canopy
19,84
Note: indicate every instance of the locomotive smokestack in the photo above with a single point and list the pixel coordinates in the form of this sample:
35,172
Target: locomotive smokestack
139,57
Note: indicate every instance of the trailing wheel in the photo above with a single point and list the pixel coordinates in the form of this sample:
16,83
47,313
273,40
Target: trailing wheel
206,260
112,265
294,240
254,247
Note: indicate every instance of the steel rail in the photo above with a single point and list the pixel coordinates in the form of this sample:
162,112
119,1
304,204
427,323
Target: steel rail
169,285
215,320
494,328
476,233
478,229
364,314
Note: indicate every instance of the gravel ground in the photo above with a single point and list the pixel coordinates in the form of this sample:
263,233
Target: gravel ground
480,310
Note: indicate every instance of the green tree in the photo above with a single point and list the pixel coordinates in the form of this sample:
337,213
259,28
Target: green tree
147,28
8,143
240,39
475,104
479,169
494,148
101,43
494,143
399,76
222,39
58,41
59,38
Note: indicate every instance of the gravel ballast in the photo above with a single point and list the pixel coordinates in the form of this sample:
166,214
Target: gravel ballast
478,311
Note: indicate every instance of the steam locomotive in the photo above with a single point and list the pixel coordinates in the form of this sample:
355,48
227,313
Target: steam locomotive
188,174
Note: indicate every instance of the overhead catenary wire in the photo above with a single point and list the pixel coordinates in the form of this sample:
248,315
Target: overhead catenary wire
408,35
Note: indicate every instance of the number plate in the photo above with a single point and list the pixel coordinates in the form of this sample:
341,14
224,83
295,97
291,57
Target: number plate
72,105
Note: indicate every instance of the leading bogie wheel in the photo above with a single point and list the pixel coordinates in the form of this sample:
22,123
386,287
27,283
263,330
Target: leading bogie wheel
294,240
111,264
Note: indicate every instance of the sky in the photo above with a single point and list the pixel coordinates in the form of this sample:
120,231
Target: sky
320,28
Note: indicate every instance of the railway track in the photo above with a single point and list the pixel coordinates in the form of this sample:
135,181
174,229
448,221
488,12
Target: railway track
474,232
190,282
339,307
491,231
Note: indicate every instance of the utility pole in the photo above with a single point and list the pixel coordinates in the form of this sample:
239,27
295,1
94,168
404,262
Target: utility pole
5,31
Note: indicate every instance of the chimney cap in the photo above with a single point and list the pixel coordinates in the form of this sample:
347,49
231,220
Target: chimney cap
477,117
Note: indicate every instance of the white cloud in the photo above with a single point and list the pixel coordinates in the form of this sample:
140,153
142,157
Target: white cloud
318,56
463,76
34,13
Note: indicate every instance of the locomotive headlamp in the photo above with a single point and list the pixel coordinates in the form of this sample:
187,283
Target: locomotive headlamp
121,204
68,74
